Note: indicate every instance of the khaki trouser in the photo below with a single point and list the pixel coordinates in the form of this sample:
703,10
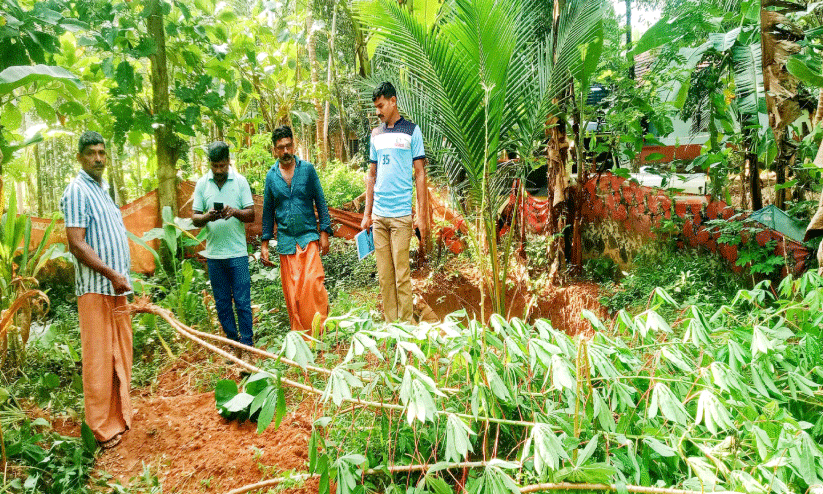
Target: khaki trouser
391,251
302,276
106,340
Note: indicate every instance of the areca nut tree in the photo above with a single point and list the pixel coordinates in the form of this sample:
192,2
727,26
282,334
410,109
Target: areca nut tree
481,81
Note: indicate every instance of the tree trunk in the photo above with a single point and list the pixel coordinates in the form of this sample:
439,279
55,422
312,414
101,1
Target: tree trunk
778,41
754,181
329,77
322,146
629,38
38,171
557,155
818,115
164,137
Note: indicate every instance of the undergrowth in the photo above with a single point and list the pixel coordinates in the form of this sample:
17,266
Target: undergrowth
689,276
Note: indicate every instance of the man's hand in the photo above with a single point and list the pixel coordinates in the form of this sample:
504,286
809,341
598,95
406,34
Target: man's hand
324,243
264,253
366,223
120,283
229,212
214,215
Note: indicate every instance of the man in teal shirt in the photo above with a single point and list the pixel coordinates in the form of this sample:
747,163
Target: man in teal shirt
293,191
222,203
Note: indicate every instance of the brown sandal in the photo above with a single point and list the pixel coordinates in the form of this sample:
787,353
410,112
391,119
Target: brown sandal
111,442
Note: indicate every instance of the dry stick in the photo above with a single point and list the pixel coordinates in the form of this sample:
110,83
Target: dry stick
638,489
558,486
269,355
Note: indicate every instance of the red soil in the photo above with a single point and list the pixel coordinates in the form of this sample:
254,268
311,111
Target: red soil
560,305
191,448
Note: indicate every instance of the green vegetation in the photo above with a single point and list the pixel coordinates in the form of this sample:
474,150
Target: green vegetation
702,379
723,397
691,277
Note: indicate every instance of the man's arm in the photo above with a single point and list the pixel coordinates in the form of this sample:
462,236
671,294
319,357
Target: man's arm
86,255
422,192
199,218
268,222
370,179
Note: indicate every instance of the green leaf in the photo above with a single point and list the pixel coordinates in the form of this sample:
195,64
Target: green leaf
267,411
670,406
89,441
661,33
295,348
240,402
660,448
457,439
806,68
17,76
548,450
224,391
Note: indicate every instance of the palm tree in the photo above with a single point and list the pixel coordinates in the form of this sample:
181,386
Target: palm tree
482,80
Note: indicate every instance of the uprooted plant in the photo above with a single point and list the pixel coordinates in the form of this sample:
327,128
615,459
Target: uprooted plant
722,401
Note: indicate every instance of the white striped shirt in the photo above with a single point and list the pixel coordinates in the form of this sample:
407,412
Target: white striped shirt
87,204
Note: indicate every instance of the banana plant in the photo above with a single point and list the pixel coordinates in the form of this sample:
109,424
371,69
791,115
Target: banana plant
19,289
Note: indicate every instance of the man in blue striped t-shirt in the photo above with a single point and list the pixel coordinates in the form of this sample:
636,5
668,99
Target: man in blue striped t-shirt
398,165
97,239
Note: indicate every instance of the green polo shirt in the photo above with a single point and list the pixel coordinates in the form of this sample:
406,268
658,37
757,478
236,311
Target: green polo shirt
226,237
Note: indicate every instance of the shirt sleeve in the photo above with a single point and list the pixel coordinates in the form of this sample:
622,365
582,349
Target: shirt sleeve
74,207
418,151
268,210
198,200
372,151
320,203
246,198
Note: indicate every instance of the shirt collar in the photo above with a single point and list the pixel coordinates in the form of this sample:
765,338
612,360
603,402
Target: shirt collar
231,176
297,162
386,126
88,178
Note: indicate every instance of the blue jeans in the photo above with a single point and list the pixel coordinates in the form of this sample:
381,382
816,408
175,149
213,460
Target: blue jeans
230,280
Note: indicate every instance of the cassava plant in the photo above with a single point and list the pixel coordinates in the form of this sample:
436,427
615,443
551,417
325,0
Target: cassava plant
723,401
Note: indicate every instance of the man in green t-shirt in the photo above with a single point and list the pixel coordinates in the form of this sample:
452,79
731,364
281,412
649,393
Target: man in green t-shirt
222,203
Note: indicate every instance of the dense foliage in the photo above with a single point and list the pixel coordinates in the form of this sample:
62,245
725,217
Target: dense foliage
726,399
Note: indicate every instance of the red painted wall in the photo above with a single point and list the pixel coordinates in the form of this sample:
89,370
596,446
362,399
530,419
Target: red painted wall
640,209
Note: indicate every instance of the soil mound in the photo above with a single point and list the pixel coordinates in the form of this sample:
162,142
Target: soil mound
446,293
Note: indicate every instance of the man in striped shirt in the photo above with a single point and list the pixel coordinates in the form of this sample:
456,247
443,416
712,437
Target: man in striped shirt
97,239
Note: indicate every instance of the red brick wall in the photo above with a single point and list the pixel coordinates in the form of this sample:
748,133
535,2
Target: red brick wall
641,209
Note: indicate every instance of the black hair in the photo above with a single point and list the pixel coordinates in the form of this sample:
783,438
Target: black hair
89,138
385,90
218,151
282,132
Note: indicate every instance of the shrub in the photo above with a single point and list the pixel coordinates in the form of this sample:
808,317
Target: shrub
691,277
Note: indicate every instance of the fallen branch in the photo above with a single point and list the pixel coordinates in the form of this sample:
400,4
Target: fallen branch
555,486
638,489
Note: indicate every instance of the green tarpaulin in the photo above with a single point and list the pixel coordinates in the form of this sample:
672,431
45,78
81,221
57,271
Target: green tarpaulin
774,218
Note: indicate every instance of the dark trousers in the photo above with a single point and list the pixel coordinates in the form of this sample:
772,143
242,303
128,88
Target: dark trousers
230,280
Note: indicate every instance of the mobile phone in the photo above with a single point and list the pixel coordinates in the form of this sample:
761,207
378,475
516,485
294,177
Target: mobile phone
218,206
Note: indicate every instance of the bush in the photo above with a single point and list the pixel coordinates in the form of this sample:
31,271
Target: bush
340,182
691,277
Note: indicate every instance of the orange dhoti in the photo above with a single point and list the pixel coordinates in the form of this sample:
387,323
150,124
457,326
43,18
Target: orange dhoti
106,339
302,276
